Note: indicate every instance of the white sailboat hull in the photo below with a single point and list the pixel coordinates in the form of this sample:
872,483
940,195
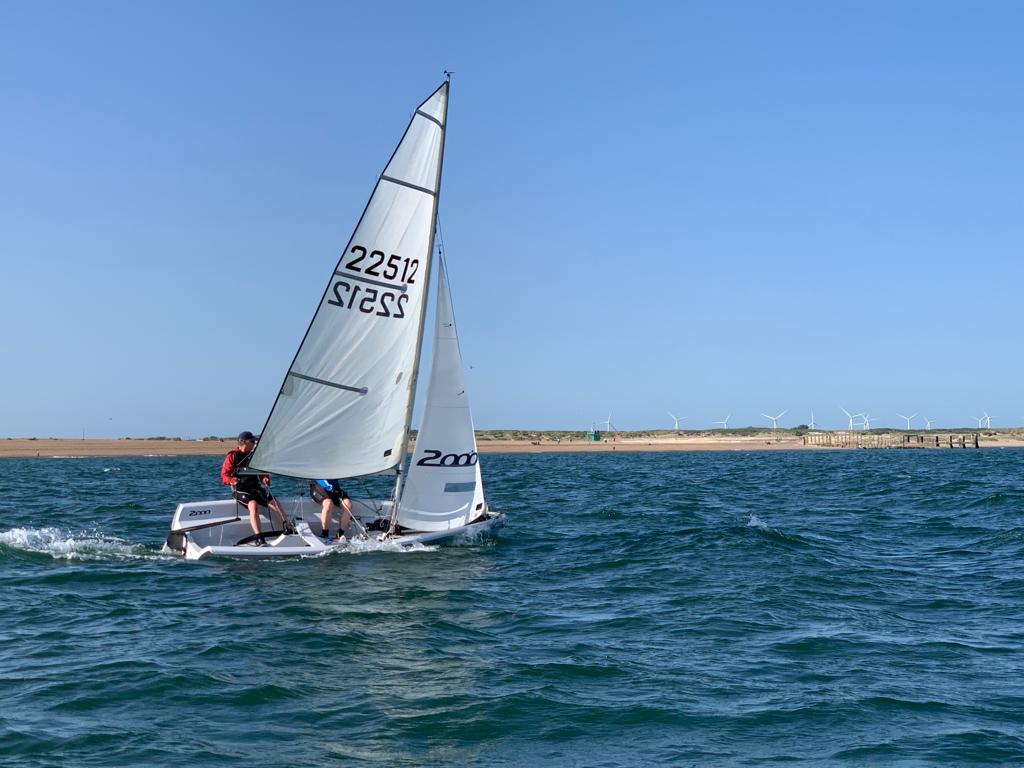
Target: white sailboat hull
220,528
480,528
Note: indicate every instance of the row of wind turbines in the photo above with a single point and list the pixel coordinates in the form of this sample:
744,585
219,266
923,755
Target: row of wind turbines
984,421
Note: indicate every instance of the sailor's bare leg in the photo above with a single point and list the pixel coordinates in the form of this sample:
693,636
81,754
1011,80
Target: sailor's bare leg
254,516
325,515
346,516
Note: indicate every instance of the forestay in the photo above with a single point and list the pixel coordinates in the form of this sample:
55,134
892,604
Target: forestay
443,488
341,411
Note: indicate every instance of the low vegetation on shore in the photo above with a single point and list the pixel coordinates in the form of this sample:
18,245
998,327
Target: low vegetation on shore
556,435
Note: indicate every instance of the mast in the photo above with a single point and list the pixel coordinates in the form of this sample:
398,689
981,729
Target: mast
414,378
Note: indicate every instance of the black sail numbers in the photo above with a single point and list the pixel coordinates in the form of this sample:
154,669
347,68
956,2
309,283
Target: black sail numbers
373,283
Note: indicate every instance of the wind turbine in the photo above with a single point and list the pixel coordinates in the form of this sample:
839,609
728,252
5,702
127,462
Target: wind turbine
724,422
867,420
988,420
812,425
927,423
979,419
608,423
676,419
850,416
775,419
908,418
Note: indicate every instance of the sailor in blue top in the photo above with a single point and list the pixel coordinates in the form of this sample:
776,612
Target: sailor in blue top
329,494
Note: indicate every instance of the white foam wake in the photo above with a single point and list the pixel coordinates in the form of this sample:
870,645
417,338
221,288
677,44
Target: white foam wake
65,545
362,546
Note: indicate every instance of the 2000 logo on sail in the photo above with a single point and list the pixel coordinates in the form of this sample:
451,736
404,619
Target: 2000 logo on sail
440,459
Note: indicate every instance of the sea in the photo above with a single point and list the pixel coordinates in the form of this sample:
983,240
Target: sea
851,608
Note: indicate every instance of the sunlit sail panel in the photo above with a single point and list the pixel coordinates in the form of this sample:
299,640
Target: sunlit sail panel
444,489
416,160
437,105
342,407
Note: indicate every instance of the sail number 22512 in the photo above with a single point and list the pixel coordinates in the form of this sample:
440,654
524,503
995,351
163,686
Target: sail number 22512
349,294
376,264
369,301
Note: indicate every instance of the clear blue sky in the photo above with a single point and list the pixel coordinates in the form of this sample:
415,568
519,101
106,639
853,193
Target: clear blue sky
708,208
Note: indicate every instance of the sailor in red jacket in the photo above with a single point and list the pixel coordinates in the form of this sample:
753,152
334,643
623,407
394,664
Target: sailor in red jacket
248,489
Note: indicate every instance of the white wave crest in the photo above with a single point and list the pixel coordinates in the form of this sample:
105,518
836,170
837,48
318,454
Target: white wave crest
756,522
474,538
65,545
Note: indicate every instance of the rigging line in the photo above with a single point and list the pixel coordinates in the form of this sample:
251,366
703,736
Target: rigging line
440,236
374,504
444,265
442,262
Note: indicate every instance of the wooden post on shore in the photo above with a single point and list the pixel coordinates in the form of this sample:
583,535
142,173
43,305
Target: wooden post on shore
848,439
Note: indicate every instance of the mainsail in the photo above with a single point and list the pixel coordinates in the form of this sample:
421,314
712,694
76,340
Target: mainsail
344,405
443,488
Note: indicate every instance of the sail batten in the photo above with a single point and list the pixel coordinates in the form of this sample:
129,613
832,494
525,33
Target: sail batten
429,117
407,184
367,327
357,390
394,286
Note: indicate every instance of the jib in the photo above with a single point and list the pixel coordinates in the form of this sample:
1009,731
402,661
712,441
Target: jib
434,458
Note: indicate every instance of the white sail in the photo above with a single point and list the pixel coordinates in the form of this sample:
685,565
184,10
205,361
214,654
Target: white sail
443,489
342,408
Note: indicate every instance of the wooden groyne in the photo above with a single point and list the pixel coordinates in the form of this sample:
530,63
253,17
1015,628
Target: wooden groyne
848,439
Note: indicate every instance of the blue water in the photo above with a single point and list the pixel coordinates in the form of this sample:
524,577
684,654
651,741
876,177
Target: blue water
818,608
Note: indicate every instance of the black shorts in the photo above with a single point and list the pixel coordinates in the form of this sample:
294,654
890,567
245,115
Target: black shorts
249,494
319,493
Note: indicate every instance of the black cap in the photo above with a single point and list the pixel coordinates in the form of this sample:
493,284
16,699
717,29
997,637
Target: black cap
247,435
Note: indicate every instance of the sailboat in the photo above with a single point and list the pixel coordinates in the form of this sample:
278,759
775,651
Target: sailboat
344,409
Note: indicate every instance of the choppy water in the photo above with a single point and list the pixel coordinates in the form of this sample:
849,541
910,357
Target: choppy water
855,608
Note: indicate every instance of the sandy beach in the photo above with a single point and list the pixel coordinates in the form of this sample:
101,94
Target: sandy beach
63,448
